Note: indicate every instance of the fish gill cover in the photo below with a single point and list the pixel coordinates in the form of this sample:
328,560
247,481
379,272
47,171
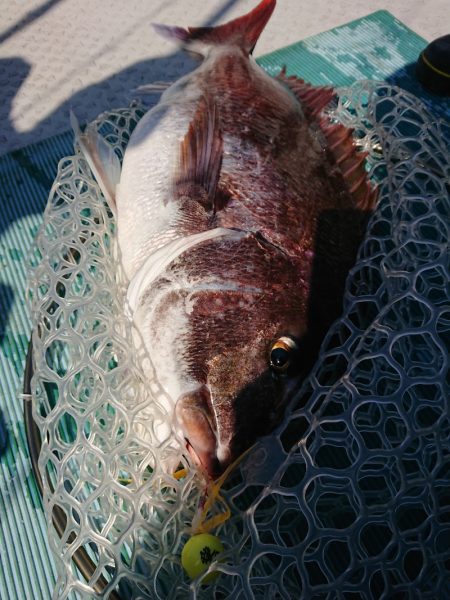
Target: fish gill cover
349,496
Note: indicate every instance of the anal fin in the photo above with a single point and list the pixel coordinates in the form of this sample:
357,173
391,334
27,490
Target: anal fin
102,159
200,159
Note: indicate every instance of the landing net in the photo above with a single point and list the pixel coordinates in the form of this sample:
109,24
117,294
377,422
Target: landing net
349,497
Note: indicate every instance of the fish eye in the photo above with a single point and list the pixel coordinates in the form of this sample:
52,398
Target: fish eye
281,354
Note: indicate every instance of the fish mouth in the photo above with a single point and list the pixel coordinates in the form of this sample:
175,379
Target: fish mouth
195,415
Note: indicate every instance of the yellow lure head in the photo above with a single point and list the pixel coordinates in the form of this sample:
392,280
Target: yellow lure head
198,553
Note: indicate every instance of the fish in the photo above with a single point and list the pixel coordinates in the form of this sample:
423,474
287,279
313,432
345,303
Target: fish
240,208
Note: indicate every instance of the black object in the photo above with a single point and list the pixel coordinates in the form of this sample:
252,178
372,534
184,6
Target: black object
433,66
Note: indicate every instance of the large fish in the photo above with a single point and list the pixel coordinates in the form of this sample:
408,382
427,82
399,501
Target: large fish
239,212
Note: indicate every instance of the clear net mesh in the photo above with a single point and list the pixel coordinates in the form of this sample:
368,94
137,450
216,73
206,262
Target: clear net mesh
349,497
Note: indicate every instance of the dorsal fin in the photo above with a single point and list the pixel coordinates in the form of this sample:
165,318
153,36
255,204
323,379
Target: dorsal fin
351,163
201,155
312,98
243,31
339,138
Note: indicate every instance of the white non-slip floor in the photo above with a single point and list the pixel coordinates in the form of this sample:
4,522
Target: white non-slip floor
89,55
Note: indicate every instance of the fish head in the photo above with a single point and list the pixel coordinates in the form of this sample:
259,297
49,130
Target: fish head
240,395
236,354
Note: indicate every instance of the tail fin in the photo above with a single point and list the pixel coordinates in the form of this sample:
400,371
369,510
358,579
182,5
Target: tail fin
243,31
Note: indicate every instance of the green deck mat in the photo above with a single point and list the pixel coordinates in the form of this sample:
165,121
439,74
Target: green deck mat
376,47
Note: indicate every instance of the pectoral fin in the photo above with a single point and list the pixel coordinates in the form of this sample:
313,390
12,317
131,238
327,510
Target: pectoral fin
200,158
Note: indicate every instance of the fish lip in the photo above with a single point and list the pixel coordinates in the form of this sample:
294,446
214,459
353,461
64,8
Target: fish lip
197,421
206,461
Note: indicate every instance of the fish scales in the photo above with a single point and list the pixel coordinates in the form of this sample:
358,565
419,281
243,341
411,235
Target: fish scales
239,213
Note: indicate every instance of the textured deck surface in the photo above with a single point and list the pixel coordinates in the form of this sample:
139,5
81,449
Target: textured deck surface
60,54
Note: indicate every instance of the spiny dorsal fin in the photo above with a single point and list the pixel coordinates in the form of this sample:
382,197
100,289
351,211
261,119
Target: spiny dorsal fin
243,31
351,162
339,139
312,98
201,155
